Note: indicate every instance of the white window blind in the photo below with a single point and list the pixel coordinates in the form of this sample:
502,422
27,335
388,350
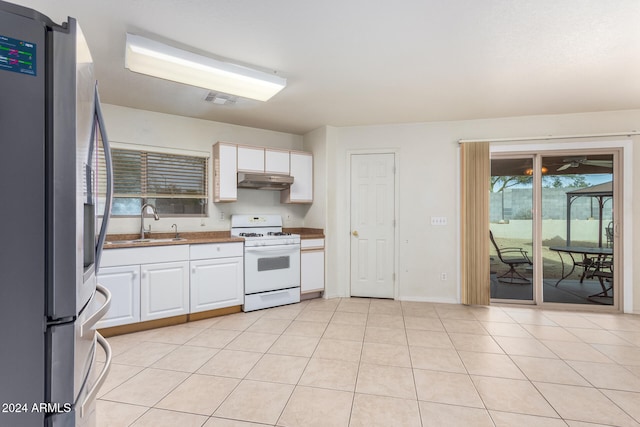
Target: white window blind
176,184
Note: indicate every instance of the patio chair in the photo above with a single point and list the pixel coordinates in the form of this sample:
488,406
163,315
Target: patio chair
592,264
605,276
512,257
609,233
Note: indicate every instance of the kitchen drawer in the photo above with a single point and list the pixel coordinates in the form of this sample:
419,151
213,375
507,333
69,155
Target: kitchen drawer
311,244
153,254
271,299
216,250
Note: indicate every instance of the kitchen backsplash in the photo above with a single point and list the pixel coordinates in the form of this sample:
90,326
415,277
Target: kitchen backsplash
249,202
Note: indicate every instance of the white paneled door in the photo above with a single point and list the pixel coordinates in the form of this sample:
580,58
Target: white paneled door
372,225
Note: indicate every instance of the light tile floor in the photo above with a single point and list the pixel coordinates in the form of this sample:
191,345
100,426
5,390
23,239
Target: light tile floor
368,362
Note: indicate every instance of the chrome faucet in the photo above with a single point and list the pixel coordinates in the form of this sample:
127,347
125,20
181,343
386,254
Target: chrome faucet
142,210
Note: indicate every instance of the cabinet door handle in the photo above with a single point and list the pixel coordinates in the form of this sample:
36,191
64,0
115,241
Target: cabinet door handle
193,270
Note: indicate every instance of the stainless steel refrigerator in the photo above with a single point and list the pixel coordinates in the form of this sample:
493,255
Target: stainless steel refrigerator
51,232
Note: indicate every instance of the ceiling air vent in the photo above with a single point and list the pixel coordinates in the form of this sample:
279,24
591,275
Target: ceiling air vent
221,98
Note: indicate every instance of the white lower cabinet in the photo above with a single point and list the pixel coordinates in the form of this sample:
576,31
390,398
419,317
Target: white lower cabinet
164,290
124,285
216,283
145,283
312,271
163,281
312,265
217,275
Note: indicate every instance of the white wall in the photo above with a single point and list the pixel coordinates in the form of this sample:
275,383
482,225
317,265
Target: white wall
139,127
428,174
314,142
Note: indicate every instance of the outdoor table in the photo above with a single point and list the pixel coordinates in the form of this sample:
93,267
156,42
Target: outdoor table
590,257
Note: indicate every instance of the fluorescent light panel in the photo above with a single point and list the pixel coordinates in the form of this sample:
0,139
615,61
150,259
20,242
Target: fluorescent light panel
155,59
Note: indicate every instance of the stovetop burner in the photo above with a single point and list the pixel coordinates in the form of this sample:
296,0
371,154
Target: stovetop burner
262,230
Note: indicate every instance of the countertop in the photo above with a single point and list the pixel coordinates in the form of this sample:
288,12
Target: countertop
115,241
306,233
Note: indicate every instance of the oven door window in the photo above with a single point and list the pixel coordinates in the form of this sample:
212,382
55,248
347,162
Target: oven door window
274,263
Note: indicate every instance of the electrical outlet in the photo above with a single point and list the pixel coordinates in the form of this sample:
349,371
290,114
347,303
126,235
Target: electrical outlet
443,276
221,215
438,220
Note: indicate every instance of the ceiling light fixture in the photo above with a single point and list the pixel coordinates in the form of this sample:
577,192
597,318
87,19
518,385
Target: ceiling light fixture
156,59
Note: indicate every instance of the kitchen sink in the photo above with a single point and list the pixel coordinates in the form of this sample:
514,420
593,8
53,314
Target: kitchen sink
125,242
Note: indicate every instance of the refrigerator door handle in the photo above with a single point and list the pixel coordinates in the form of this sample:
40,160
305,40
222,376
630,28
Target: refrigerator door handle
91,396
109,191
95,317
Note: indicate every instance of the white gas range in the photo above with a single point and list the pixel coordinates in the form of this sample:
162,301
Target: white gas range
271,261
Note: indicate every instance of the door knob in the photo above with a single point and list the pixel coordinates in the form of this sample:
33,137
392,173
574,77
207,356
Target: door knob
355,233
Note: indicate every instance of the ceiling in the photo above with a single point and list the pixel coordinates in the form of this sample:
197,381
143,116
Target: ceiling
363,62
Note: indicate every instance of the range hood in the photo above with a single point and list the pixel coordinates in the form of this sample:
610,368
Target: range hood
262,181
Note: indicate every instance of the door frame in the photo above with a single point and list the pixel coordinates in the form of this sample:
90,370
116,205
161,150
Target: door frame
624,271
396,209
536,296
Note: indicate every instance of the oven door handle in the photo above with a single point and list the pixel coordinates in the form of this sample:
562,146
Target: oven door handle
286,249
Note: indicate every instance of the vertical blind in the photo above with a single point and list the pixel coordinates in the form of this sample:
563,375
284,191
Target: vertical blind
476,285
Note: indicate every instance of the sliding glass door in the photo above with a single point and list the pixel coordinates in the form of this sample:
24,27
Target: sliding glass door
577,228
511,217
553,227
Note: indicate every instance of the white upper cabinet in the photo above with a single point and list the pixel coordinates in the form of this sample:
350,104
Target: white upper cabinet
276,161
250,159
229,159
225,172
301,169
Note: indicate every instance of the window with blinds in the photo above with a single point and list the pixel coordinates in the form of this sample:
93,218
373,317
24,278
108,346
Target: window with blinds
175,184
